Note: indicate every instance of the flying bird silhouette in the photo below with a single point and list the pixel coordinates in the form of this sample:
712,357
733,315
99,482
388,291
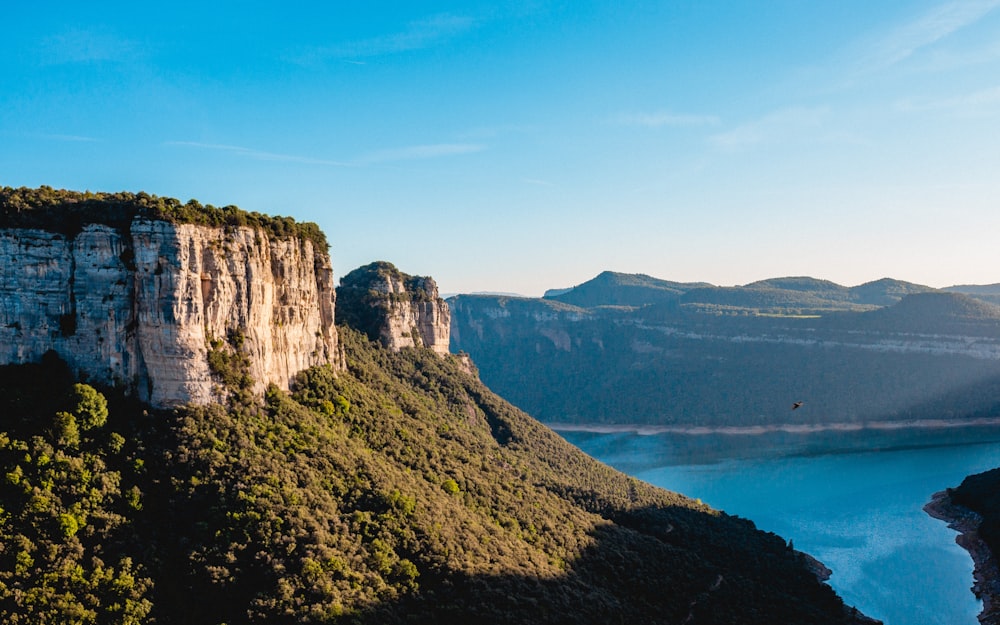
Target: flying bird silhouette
797,404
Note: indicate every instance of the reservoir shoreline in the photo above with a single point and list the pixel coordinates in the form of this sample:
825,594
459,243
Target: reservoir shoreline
790,428
986,573
851,495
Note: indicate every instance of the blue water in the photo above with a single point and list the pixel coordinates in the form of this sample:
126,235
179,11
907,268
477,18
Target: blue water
852,500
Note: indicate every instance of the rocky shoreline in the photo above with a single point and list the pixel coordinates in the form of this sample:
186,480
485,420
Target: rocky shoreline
966,522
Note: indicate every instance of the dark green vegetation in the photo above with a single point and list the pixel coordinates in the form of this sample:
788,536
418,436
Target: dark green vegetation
981,493
782,296
621,289
400,491
67,212
69,495
986,292
633,349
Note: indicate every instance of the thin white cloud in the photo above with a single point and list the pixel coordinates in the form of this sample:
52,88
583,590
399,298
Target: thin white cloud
779,126
417,35
258,154
928,29
413,152
416,152
984,100
659,119
69,138
947,60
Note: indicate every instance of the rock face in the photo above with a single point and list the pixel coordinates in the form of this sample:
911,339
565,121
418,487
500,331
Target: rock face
397,309
417,322
139,305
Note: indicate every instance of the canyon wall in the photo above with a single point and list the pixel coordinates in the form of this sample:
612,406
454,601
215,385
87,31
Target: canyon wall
928,356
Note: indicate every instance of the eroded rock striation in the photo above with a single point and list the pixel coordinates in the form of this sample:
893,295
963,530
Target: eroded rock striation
139,304
394,308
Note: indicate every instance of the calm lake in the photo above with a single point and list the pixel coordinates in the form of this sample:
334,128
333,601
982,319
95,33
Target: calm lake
853,500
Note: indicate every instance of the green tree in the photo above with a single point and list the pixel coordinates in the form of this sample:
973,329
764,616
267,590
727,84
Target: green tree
91,407
65,431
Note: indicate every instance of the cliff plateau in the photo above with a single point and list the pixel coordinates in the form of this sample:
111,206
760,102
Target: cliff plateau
140,304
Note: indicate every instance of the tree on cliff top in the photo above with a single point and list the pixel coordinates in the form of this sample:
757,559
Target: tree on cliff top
67,212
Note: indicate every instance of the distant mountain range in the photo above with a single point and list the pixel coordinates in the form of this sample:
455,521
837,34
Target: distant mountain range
630,348
621,289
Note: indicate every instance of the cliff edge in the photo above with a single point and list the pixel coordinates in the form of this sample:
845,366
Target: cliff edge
139,298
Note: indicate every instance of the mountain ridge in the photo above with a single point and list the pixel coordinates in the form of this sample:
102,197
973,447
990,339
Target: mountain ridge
739,356
609,288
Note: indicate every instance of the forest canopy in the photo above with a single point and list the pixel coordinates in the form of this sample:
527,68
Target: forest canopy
67,212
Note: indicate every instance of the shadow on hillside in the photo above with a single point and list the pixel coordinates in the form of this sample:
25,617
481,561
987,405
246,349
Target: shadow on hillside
211,558
979,399
641,569
24,392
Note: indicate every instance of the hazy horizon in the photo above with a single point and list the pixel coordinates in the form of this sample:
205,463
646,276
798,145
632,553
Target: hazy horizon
447,294
520,147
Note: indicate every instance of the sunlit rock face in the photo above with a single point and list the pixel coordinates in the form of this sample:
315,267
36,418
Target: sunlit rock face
140,307
395,308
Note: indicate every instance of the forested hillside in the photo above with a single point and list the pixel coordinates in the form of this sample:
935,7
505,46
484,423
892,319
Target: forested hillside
400,491
985,292
737,356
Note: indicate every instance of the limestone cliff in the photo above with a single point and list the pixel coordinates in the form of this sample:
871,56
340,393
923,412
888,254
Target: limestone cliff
397,309
138,303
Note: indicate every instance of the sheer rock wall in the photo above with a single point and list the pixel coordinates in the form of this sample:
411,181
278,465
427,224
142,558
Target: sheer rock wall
394,308
140,307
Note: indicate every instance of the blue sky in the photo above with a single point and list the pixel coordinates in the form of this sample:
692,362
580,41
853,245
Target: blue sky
520,146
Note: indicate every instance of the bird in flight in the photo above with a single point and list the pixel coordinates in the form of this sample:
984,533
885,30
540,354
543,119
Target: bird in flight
797,404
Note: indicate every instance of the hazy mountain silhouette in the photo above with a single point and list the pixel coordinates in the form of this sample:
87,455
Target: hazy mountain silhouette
986,292
622,289
885,292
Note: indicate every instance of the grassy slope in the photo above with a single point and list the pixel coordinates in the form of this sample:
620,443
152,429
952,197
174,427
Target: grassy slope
401,491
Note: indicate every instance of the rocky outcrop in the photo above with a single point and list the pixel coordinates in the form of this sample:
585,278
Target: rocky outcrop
139,305
986,573
395,308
